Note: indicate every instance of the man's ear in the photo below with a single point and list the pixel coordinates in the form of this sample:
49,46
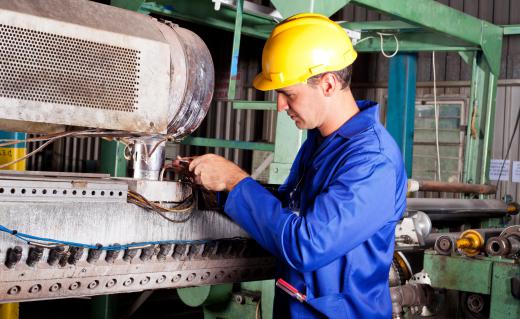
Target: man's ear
329,84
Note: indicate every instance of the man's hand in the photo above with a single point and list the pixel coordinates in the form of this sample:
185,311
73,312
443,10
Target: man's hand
216,173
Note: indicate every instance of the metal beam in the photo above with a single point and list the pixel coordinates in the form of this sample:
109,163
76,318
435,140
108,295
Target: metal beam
511,29
479,135
257,25
383,25
289,8
413,42
213,142
254,105
237,33
441,18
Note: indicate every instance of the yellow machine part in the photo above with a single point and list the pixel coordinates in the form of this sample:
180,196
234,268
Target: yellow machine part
470,242
9,311
8,154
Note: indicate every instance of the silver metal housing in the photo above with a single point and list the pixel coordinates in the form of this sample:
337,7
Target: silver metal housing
81,63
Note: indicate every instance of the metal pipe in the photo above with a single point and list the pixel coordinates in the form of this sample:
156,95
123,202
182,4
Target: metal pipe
468,243
149,158
507,244
460,209
434,186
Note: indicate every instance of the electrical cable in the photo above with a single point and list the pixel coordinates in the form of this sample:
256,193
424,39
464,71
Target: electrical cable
50,138
436,109
141,201
51,243
509,146
381,43
258,315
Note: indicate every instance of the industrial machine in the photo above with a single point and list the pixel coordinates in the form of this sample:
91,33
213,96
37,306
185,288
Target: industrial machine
128,77
91,70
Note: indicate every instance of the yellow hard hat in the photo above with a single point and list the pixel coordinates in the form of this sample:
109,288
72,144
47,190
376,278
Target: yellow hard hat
302,46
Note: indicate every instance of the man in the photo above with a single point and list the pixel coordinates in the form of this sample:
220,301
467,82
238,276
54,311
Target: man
333,229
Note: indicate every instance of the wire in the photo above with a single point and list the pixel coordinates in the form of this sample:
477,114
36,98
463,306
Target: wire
396,44
509,146
436,118
51,243
381,43
141,201
257,311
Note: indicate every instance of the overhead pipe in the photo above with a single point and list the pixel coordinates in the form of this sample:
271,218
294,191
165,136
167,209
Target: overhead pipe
434,186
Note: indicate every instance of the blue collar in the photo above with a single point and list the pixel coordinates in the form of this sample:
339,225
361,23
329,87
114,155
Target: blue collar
368,115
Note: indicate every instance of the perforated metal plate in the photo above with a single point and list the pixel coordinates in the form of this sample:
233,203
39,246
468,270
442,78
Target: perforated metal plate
50,68
63,73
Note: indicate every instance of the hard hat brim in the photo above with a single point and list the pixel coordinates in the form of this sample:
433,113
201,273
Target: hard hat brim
263,84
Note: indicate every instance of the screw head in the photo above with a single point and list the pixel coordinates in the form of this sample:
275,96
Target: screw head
93,284
161,279
128,282
191,277
145,280
55,287
35,288
111,283
176,278
13,290
75,285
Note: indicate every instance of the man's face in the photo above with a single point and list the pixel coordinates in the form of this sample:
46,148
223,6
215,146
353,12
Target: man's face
303,104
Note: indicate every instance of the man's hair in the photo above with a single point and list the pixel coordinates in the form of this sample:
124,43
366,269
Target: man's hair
344,76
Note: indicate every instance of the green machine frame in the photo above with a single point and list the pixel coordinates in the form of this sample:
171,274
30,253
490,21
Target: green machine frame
424,26
419,26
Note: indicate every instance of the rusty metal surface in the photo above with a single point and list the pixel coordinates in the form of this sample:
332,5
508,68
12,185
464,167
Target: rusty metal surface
434,186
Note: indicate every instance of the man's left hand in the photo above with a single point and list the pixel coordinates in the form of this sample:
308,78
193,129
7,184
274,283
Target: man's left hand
216,173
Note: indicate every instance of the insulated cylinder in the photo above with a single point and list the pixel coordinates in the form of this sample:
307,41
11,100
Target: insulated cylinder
82,63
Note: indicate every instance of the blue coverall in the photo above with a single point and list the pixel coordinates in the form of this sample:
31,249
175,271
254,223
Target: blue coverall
350,190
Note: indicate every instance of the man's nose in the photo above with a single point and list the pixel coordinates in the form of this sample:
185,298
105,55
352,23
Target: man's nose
281,103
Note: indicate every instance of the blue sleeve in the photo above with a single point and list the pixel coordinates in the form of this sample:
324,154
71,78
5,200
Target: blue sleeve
359,201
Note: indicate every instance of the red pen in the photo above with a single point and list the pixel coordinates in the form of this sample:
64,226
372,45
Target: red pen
288,288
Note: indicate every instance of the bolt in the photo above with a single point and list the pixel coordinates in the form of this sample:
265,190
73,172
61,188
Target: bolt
145,280
111,255
93,284
176,278
128,282
75,285
35,288
13,290
13,256
55,287
161,279
111,283
35,255
191,277
205,276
